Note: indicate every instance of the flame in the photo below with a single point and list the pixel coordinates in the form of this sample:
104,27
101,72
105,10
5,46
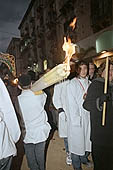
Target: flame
72,24
69,49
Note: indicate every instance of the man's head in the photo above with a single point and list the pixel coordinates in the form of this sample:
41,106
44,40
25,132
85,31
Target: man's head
33,75
24,81
102,70
91,69
81,69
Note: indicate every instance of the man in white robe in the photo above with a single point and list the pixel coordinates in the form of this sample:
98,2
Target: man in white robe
9,129
35,123
78,118
59,101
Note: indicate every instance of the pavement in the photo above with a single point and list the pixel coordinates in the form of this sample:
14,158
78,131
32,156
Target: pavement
56,156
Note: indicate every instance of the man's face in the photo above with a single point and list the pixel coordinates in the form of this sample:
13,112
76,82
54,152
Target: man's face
83,71
91,69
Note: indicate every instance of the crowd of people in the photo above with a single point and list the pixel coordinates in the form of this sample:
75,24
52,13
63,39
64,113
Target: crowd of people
78,104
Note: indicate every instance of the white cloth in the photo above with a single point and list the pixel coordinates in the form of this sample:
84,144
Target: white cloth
34,116
9,127
62,125
59,101
78,117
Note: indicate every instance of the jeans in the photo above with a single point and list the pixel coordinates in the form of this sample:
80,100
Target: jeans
66,144
77,160
5,163
35,155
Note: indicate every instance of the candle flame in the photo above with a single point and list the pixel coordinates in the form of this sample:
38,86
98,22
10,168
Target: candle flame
69,49
72,24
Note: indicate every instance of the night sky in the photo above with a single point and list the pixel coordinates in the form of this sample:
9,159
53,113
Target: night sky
11,14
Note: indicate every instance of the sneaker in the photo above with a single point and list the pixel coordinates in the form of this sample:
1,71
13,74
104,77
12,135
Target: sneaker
68,159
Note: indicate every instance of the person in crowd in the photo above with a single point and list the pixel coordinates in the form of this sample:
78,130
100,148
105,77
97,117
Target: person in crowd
33,76
34,121
50,116
92,71
59,101
78,118
101,136
9,129
48,91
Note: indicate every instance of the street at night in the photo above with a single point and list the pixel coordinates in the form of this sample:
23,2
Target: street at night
56,85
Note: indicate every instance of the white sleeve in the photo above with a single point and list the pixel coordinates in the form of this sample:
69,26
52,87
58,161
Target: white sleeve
57,96
72,104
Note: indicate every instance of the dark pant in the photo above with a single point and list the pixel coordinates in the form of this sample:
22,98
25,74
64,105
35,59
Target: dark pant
77,160
102,157
5,163
35,155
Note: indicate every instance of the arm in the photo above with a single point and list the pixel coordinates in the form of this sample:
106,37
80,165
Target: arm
57,96
73,111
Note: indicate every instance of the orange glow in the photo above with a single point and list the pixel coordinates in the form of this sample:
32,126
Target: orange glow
72,24
15,81
69,49
103,52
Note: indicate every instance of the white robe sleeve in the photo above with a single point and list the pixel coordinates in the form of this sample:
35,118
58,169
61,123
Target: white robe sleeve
72,105
57,96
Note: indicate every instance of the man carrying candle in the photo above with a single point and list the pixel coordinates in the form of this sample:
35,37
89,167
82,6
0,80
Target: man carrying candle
35,126
101,136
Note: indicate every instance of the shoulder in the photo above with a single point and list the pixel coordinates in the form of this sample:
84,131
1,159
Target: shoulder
98,81
74,80
39,92
72,83
95,84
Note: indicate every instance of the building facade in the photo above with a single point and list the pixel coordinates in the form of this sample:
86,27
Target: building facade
46,22
14,49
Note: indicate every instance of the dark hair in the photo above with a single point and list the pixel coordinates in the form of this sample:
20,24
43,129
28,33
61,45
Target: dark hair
32,74
24,81
93,65
78,69
95,69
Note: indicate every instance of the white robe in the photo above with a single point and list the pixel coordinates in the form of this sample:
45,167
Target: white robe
78,117
9,127
34,117
59,95
59,101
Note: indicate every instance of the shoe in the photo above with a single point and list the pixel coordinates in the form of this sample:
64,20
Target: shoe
68,159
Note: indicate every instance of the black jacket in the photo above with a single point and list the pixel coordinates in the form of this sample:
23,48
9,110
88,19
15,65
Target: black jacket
100,135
